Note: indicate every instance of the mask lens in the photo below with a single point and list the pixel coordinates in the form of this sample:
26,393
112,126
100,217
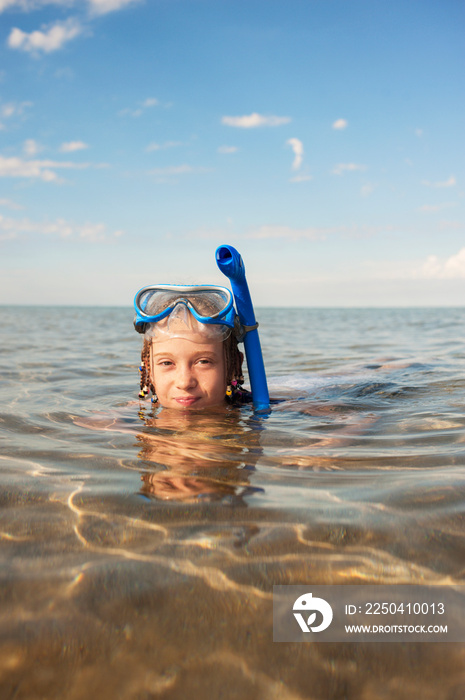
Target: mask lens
207,304
154,301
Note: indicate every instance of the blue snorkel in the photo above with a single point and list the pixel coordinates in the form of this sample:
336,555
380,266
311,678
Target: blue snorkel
230,263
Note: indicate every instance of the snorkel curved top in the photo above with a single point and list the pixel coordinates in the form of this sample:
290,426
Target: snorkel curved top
230,263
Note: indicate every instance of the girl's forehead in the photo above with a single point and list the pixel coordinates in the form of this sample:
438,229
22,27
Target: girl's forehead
193,345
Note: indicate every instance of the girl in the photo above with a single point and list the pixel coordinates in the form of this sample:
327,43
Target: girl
190,358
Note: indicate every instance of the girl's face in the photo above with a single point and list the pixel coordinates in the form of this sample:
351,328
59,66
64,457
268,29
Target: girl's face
187,374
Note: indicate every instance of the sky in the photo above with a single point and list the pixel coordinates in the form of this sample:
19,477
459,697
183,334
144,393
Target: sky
324,139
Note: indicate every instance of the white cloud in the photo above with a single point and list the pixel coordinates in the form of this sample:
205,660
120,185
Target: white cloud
51,39
451,182
301,178
130,112
314,233
31,147
92,232
27,5
9,204
310,233
227,149
367,189
432,267
64,73
36,169
451,225
16,228
254,120
162,146
72,146
432,208
96,7
342,168
290,233
17,167
145,104
340,124
6,3
9,110
102,7
419,133
298,148
451,268
177,170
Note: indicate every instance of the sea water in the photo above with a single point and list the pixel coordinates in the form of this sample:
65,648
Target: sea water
139,547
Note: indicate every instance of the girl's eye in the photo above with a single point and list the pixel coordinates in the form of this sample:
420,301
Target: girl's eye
165,363
205,362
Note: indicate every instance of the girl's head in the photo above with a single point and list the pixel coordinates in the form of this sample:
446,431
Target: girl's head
187,363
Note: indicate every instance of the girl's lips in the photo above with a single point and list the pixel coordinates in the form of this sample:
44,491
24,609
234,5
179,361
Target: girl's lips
187,400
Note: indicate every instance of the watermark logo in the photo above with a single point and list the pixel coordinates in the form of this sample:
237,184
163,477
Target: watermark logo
309,604
369,613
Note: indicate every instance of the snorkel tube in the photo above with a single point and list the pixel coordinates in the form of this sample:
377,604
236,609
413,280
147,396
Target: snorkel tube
230,263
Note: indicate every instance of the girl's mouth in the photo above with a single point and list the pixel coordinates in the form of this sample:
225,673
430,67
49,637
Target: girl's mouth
187,400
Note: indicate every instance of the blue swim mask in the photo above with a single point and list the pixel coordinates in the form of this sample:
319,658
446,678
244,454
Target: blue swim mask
184,311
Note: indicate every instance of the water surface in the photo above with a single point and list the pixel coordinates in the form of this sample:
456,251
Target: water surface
139,548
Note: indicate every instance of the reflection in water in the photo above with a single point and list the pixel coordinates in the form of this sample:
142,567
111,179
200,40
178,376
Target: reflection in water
139,548
195,456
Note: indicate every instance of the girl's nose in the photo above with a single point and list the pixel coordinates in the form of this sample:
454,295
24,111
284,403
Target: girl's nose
185,378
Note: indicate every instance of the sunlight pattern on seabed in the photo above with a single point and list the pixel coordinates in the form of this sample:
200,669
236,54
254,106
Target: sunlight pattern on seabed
139,549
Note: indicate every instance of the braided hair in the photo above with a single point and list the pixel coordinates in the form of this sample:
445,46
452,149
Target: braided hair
146,384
